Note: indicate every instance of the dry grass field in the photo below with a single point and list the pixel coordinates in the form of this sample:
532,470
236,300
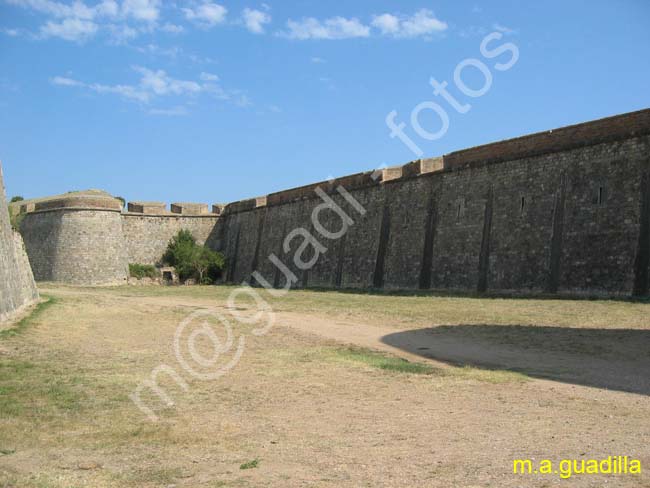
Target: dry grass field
345,390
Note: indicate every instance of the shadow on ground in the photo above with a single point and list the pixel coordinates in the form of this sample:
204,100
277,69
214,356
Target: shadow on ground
602,358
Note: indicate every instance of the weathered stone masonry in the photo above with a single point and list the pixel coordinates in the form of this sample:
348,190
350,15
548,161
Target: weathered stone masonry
86,239
565,211
17,287
77,239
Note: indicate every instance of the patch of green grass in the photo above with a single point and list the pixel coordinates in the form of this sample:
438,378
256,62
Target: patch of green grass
31,390
383,361
494,376
250,464
30,319
387,362
37,390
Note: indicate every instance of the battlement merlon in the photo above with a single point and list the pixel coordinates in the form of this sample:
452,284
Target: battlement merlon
190,208
148,208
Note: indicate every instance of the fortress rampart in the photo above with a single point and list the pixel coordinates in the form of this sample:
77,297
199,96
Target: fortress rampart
77,239
86,239
147,235
563,211
17,287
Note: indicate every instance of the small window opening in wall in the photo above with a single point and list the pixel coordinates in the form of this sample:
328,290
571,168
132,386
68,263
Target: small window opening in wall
460,209
601,195
522,205
168,277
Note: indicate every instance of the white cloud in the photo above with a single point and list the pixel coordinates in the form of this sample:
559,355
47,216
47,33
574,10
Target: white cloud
10,32
386,23
170,112
108,8
155,84
172,28
317,60
254,20
71,29
121,33
126,91
159,83
332,28
422,23
209,77
156,50
77,9
63,81
473,31
243,101
207,13
78,21
144,10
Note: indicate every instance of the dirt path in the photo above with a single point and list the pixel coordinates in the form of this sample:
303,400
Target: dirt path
310,412
616,360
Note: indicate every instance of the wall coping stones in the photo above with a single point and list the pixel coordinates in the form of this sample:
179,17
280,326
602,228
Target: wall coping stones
391,173
599,131
169,215
595,132
80,202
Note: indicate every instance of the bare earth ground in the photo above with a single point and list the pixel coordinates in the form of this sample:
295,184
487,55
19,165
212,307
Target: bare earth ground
490,380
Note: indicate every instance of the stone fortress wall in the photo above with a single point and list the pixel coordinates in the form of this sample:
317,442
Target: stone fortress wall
148,228
563,211
77,239
17,287
84,238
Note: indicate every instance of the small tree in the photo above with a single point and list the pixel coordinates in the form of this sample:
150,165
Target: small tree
122,200
192,260
17,198
207,263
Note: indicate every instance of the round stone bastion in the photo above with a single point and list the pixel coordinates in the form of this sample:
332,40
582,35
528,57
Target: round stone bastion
77,239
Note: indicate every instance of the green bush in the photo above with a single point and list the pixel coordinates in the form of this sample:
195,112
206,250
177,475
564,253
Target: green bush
193,261
16,199
140,271
16,220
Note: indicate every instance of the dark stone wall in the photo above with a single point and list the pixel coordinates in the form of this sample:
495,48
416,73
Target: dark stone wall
564,211
562,216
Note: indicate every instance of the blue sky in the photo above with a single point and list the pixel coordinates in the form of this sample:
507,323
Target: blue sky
219,101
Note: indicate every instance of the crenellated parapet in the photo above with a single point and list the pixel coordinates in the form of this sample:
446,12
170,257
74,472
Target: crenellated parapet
186,209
